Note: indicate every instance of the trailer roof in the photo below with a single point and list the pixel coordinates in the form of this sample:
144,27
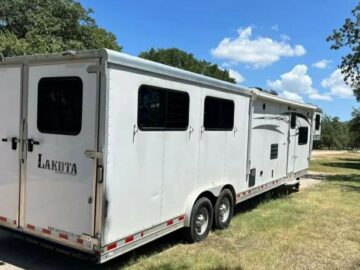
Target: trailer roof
125,60
267,96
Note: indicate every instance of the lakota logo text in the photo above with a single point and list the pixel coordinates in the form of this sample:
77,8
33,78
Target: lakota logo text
57,166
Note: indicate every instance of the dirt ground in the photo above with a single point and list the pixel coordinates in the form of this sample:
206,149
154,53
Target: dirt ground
317,153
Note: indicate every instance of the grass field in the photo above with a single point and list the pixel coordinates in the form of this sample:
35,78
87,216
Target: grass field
317,228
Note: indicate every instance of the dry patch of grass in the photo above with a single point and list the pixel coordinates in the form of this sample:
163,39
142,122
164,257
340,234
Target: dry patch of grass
344,163
318,228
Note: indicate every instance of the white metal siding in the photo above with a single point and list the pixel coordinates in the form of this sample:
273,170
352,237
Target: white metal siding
153,176
269,126
10,92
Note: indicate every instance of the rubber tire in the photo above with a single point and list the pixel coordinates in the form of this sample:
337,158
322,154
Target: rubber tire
218,223
190,233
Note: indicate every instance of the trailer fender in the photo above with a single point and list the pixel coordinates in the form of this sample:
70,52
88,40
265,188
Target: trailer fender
212,193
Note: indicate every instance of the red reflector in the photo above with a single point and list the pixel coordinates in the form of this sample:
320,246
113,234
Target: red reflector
14,222
3,219
181,218
111,246
142,234
170,222
31,227
64,236
129,239
46,231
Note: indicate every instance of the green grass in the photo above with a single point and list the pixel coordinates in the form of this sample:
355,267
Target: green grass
317,228
348,163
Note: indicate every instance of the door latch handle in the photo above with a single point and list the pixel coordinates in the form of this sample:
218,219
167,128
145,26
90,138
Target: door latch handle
31,143
13,141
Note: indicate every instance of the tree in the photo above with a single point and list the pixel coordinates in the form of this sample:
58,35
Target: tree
327,132
334,134
354,126
48,26
180,59
348,36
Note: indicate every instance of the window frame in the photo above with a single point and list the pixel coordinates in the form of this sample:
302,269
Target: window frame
219,129
307,136
78,131
142,128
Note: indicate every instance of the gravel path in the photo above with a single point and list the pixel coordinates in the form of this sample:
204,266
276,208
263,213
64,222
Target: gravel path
312,178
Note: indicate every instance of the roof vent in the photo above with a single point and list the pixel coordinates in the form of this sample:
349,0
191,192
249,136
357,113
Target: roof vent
71,52
272,92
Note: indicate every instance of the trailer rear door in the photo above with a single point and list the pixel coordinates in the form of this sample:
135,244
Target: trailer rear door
10,93
61,118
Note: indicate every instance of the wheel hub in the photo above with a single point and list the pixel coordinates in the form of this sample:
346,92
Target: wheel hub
202,221
224,210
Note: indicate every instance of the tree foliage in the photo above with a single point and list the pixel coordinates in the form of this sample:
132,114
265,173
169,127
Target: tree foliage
180,59
336,134
354,126
47,26
348,36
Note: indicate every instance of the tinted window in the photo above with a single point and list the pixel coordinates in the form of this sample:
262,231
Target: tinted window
293,120
274,151
162,109
317,122
60,105
303,135
218,114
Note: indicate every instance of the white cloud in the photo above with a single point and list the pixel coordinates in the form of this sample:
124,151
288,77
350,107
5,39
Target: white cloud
324,63
236,75
275,27
296,81
284,37
323,97
335,82
291,96
258,52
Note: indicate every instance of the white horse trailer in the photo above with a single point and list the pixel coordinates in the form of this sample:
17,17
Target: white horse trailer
102,152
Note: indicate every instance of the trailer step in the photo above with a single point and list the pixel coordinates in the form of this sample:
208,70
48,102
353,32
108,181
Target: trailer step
292,183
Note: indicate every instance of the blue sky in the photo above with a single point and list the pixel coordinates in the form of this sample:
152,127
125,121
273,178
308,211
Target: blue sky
277,45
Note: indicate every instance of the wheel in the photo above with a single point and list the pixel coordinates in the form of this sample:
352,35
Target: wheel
297,187
224,209
201,221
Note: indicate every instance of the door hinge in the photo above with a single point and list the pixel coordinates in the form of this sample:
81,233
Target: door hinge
88,238
93,154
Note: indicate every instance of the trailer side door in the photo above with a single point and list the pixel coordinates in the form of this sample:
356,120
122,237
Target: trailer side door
292,142
60,178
